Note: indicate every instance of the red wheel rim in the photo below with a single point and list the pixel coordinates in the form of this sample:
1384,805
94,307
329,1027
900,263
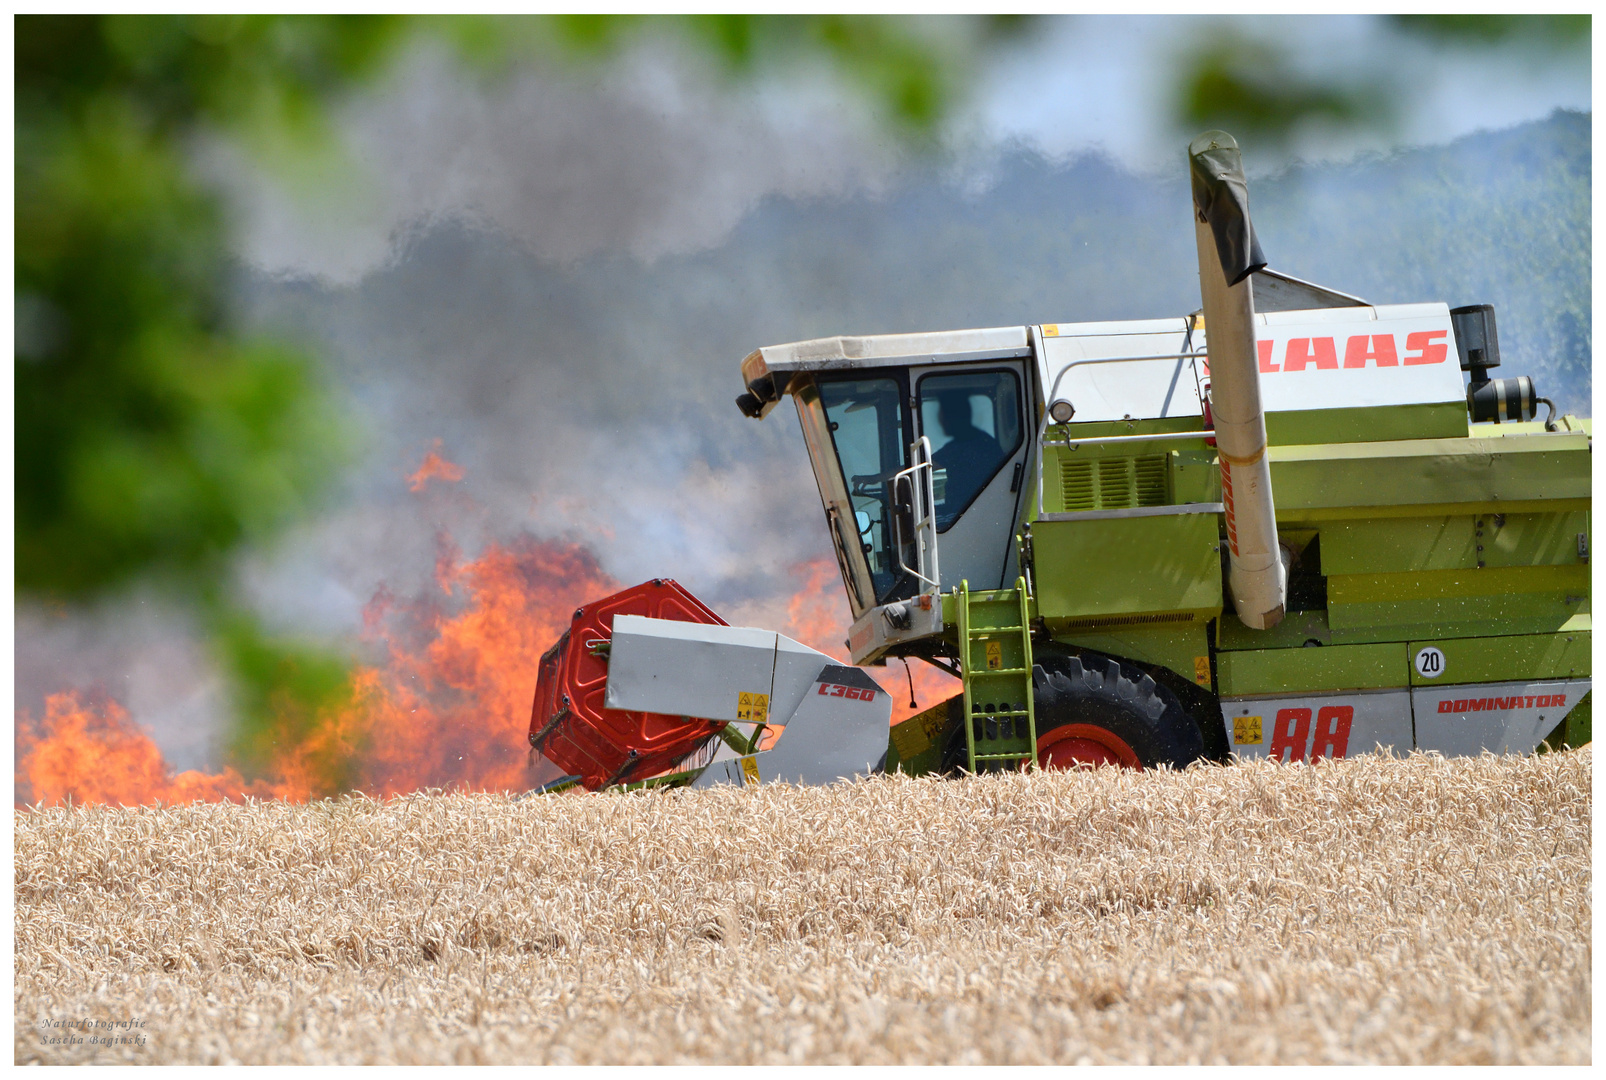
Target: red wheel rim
1084,746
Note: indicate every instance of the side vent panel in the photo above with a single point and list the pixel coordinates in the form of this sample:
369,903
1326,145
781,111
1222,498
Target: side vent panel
1077,480
1150,476
1114,483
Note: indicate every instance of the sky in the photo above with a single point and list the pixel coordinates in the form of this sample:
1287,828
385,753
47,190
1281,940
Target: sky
556,278
1102,82
650,157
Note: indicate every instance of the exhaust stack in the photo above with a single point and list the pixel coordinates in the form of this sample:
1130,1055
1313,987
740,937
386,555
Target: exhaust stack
1229,254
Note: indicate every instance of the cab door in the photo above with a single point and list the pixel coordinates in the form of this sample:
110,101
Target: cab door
974,414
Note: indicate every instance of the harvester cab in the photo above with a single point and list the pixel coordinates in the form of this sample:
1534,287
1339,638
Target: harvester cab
1281,525
921,444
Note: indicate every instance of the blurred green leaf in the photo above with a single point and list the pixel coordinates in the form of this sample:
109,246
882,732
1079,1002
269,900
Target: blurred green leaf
1248,87
1251,88
284,694
149,438
1547,30
913,69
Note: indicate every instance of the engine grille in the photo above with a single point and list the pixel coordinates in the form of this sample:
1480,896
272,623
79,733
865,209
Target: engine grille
1129,620
1114,483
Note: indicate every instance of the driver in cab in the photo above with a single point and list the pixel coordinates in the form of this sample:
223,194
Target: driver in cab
969,457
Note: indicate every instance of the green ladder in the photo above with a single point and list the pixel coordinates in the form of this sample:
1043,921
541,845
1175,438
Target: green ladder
995,649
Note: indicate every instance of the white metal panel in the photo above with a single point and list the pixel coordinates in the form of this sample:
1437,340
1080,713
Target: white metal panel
849,350
796,668
980,546
840,731
833,735
1340,358
1505,718
1319,725
1306,362
1142,389
687,669
871,633
696,669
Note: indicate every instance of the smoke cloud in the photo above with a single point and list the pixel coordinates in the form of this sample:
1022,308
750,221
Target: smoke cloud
648,156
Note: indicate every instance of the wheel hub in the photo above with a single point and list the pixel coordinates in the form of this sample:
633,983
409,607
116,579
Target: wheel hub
1084,746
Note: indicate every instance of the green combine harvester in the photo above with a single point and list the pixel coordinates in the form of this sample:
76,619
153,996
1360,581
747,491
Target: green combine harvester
1283,525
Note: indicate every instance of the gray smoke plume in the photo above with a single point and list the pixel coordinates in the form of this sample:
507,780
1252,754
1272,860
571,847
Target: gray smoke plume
648,155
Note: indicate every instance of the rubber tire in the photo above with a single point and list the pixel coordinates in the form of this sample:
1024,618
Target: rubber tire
1103,692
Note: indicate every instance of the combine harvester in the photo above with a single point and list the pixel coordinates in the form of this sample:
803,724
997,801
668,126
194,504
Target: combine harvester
1280,526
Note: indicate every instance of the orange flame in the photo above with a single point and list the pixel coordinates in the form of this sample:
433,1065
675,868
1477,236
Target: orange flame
817,614
434,467
452,706
449,708
98,755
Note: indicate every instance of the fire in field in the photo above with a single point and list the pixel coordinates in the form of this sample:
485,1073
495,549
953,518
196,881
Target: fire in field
448,708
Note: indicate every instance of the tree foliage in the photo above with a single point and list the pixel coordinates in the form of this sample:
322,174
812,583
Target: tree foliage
1241,84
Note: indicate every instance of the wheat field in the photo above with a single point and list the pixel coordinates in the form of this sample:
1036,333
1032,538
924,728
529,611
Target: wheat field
1371,910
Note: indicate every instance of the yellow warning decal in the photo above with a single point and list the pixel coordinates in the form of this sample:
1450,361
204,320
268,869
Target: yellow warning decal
1051,329
1201,670
752,708
1246,730
918,732
995,655
750,769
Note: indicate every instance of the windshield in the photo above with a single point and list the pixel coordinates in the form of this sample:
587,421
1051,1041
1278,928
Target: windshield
973,421
866,421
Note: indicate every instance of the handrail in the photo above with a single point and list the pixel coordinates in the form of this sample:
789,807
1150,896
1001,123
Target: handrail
928,495
1206,433
1042,428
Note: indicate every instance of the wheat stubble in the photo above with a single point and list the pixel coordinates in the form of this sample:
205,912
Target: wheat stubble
1372,910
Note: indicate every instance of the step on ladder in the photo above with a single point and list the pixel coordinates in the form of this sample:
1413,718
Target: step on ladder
995,649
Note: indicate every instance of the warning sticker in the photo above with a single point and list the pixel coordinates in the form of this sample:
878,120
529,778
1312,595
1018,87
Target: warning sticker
752,708
1201,670
750,769
917,733
1246,730
995,655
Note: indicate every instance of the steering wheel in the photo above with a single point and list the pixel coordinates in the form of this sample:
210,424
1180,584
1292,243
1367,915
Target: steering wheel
861,484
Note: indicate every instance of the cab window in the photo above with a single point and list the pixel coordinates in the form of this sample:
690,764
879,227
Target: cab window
866,422
973,420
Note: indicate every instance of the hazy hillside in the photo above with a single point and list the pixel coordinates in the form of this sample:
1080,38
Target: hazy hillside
1500,218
